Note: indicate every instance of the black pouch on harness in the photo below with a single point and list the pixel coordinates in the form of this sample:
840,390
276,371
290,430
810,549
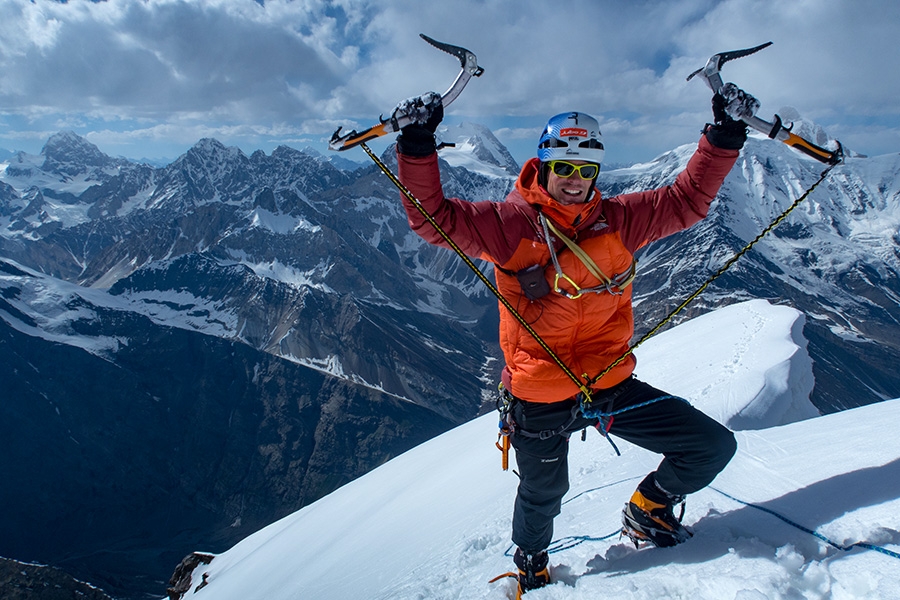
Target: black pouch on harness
534,284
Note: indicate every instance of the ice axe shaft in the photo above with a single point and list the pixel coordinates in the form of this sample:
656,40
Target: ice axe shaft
711,74
468,68
777,131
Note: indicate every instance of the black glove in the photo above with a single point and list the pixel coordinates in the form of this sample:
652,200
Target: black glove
729,107
417,138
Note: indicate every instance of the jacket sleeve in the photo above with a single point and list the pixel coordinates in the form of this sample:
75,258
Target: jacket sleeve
483,230
644,217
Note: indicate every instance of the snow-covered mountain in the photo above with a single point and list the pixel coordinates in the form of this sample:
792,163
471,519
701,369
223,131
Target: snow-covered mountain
291,241
434,522
475,148
278,330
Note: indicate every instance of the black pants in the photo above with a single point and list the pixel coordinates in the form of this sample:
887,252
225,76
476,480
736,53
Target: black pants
695,448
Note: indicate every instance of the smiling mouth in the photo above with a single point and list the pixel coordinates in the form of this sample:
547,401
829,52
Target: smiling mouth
572,193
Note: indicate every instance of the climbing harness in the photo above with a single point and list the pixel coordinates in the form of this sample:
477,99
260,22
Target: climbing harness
505,403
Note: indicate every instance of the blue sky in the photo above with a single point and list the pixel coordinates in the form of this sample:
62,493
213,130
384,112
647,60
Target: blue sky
149,78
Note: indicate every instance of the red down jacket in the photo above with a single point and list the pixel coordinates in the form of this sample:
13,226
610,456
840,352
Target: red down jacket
592,331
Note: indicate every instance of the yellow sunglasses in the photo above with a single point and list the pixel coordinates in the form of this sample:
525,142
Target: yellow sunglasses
565,169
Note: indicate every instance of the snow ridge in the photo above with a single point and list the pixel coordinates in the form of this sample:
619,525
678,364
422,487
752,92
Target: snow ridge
832,474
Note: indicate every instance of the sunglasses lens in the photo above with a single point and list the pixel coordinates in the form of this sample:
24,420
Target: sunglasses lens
566,169
587,171
563,169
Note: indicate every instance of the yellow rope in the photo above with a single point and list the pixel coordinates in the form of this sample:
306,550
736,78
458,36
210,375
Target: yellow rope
721,270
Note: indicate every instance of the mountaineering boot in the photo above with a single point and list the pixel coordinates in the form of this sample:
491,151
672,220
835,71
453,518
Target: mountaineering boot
648,516
533,571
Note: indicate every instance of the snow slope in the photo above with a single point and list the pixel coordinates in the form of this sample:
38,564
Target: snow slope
434,522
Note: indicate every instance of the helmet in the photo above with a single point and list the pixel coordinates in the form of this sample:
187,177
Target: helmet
573,136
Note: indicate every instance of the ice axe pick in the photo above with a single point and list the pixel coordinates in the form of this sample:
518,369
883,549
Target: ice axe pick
468,68
775,130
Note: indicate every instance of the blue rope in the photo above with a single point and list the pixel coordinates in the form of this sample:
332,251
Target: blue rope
812,532
597,414
568,542
605,419
576,540
580,494
571,541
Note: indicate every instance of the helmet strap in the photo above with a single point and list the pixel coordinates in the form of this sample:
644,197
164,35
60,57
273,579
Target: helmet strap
543,174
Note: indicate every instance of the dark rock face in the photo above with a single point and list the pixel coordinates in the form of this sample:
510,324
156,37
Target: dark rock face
182,579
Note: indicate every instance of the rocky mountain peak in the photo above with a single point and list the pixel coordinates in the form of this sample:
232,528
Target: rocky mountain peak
68,153
809,130
477,149
212,150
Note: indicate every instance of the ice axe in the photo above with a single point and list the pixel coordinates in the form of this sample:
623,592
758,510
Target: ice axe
468,68
776,130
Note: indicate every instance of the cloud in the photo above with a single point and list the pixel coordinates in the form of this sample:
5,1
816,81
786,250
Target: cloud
826,54
236,67
155,59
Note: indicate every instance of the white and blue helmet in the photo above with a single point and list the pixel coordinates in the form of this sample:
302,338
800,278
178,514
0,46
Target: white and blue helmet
571,136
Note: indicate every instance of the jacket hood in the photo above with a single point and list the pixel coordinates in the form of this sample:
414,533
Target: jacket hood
569,215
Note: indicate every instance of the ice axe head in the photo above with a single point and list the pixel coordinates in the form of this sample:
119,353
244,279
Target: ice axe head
710,72
468,68
711,75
